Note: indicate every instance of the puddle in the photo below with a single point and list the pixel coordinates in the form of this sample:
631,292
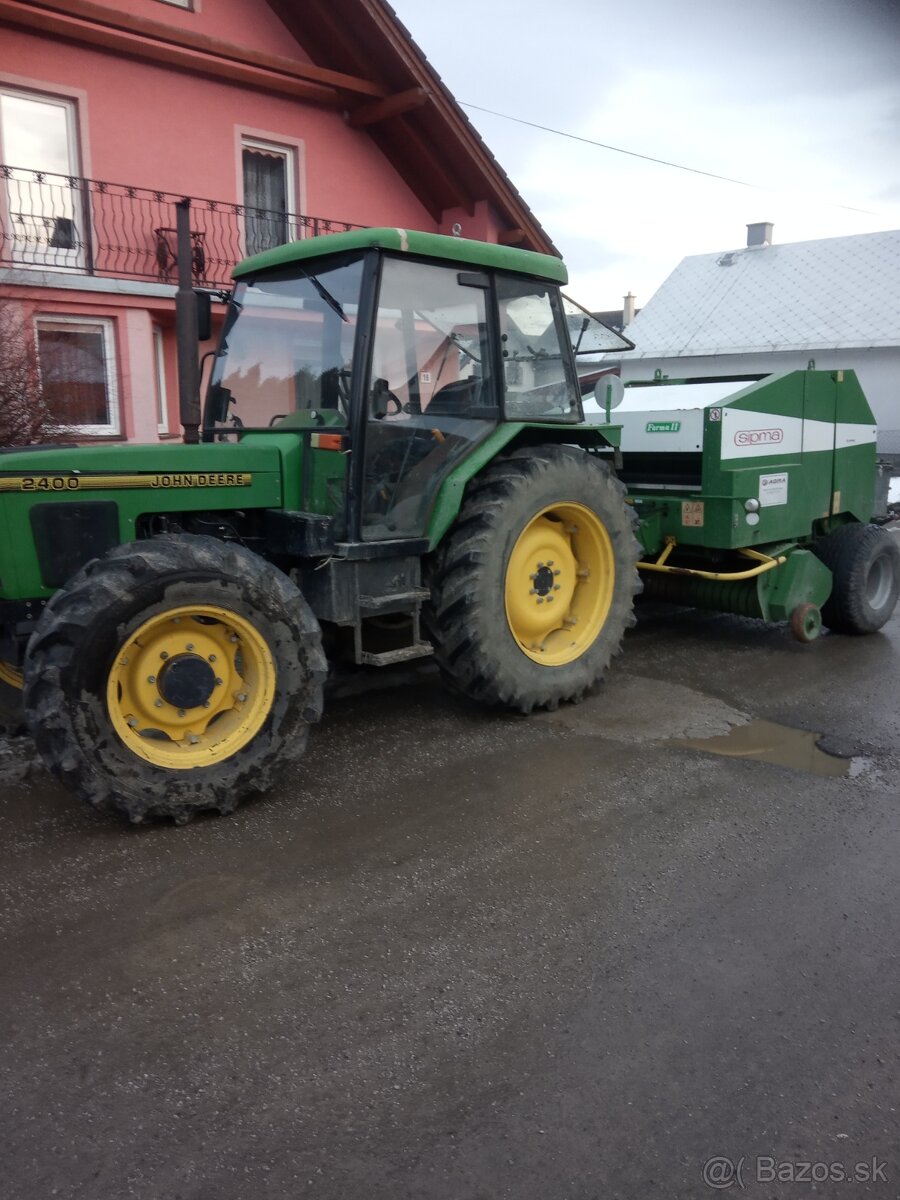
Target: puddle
777,744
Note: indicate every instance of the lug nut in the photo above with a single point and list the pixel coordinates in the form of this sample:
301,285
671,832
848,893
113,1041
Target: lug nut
157,703
151,679
182,713
193,739
242,696
212,658
540,600
556,587
189,646
132,722
163,654
557,571
206,704
218,683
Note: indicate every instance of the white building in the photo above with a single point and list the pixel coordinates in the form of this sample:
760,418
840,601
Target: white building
765,308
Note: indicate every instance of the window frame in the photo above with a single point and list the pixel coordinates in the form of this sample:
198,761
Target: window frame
159,379
28,257
289,153
106,326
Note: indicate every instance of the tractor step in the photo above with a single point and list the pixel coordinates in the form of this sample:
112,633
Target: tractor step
399,602
387,658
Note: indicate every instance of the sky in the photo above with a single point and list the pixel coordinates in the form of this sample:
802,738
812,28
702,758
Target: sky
800,98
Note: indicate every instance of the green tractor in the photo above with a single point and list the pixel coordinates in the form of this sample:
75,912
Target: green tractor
393,463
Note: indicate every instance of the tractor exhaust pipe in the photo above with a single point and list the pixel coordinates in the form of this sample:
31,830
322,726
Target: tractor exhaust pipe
187,328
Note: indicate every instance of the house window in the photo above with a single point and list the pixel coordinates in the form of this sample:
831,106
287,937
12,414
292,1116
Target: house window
159,374
78,373
42,211
188,4
269,173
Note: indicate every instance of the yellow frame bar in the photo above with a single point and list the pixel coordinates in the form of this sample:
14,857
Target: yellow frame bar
765,563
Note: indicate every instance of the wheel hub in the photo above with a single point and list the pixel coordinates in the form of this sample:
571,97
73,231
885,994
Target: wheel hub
191,686
559,583
187,681
543,580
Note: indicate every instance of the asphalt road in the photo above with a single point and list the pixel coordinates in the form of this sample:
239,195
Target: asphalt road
464,955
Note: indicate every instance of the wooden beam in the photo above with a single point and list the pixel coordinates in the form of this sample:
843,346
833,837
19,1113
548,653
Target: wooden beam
390,106
511,237
105,18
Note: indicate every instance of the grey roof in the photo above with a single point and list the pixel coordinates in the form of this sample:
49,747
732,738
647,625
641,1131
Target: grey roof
835,293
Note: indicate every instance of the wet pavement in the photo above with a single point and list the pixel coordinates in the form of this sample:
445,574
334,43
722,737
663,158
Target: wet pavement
465,955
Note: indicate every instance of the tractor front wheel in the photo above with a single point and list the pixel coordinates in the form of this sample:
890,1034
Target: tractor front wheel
533,589
173,675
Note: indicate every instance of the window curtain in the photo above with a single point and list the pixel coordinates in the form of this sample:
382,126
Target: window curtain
265,199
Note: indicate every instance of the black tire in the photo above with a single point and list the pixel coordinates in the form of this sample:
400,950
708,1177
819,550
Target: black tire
475,646
12,716
87,626
864,561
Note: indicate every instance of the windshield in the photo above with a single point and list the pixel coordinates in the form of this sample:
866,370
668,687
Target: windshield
288,347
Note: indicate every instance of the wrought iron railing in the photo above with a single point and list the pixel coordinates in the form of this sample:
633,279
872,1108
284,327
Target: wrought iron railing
66,223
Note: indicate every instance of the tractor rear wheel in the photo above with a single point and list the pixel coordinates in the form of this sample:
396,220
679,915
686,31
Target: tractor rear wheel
173,675
533,589
864,561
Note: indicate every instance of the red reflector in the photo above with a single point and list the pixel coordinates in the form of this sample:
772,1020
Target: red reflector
328,441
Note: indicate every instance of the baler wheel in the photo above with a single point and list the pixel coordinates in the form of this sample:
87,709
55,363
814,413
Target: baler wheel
173,675
533,589
806,622
864,561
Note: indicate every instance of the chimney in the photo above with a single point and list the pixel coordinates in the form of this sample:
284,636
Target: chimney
628,310
760,233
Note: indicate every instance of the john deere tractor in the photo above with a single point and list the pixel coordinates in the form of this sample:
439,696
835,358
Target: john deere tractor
393,463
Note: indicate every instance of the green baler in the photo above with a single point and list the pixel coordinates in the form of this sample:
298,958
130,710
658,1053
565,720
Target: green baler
395,462
743,489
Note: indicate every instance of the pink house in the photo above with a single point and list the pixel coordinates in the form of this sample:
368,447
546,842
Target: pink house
277,119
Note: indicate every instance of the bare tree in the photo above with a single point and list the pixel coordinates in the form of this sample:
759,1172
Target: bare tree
25,418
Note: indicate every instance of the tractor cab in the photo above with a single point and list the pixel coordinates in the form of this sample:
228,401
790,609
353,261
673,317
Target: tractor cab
403,351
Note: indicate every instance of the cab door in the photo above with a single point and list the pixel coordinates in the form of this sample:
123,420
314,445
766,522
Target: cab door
431,394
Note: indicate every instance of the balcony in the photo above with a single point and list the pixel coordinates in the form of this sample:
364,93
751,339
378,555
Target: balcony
66,224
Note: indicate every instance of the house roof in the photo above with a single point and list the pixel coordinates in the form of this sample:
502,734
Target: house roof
416,122
835,293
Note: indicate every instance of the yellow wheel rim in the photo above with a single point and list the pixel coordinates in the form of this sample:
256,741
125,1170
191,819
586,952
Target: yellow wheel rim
560,581
10,676
191,687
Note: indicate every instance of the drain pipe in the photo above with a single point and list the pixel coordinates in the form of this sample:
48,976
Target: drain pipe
187,328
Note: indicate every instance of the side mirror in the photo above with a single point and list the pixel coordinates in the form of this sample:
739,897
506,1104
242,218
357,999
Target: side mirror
379,399
220,400
609,392
204,315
